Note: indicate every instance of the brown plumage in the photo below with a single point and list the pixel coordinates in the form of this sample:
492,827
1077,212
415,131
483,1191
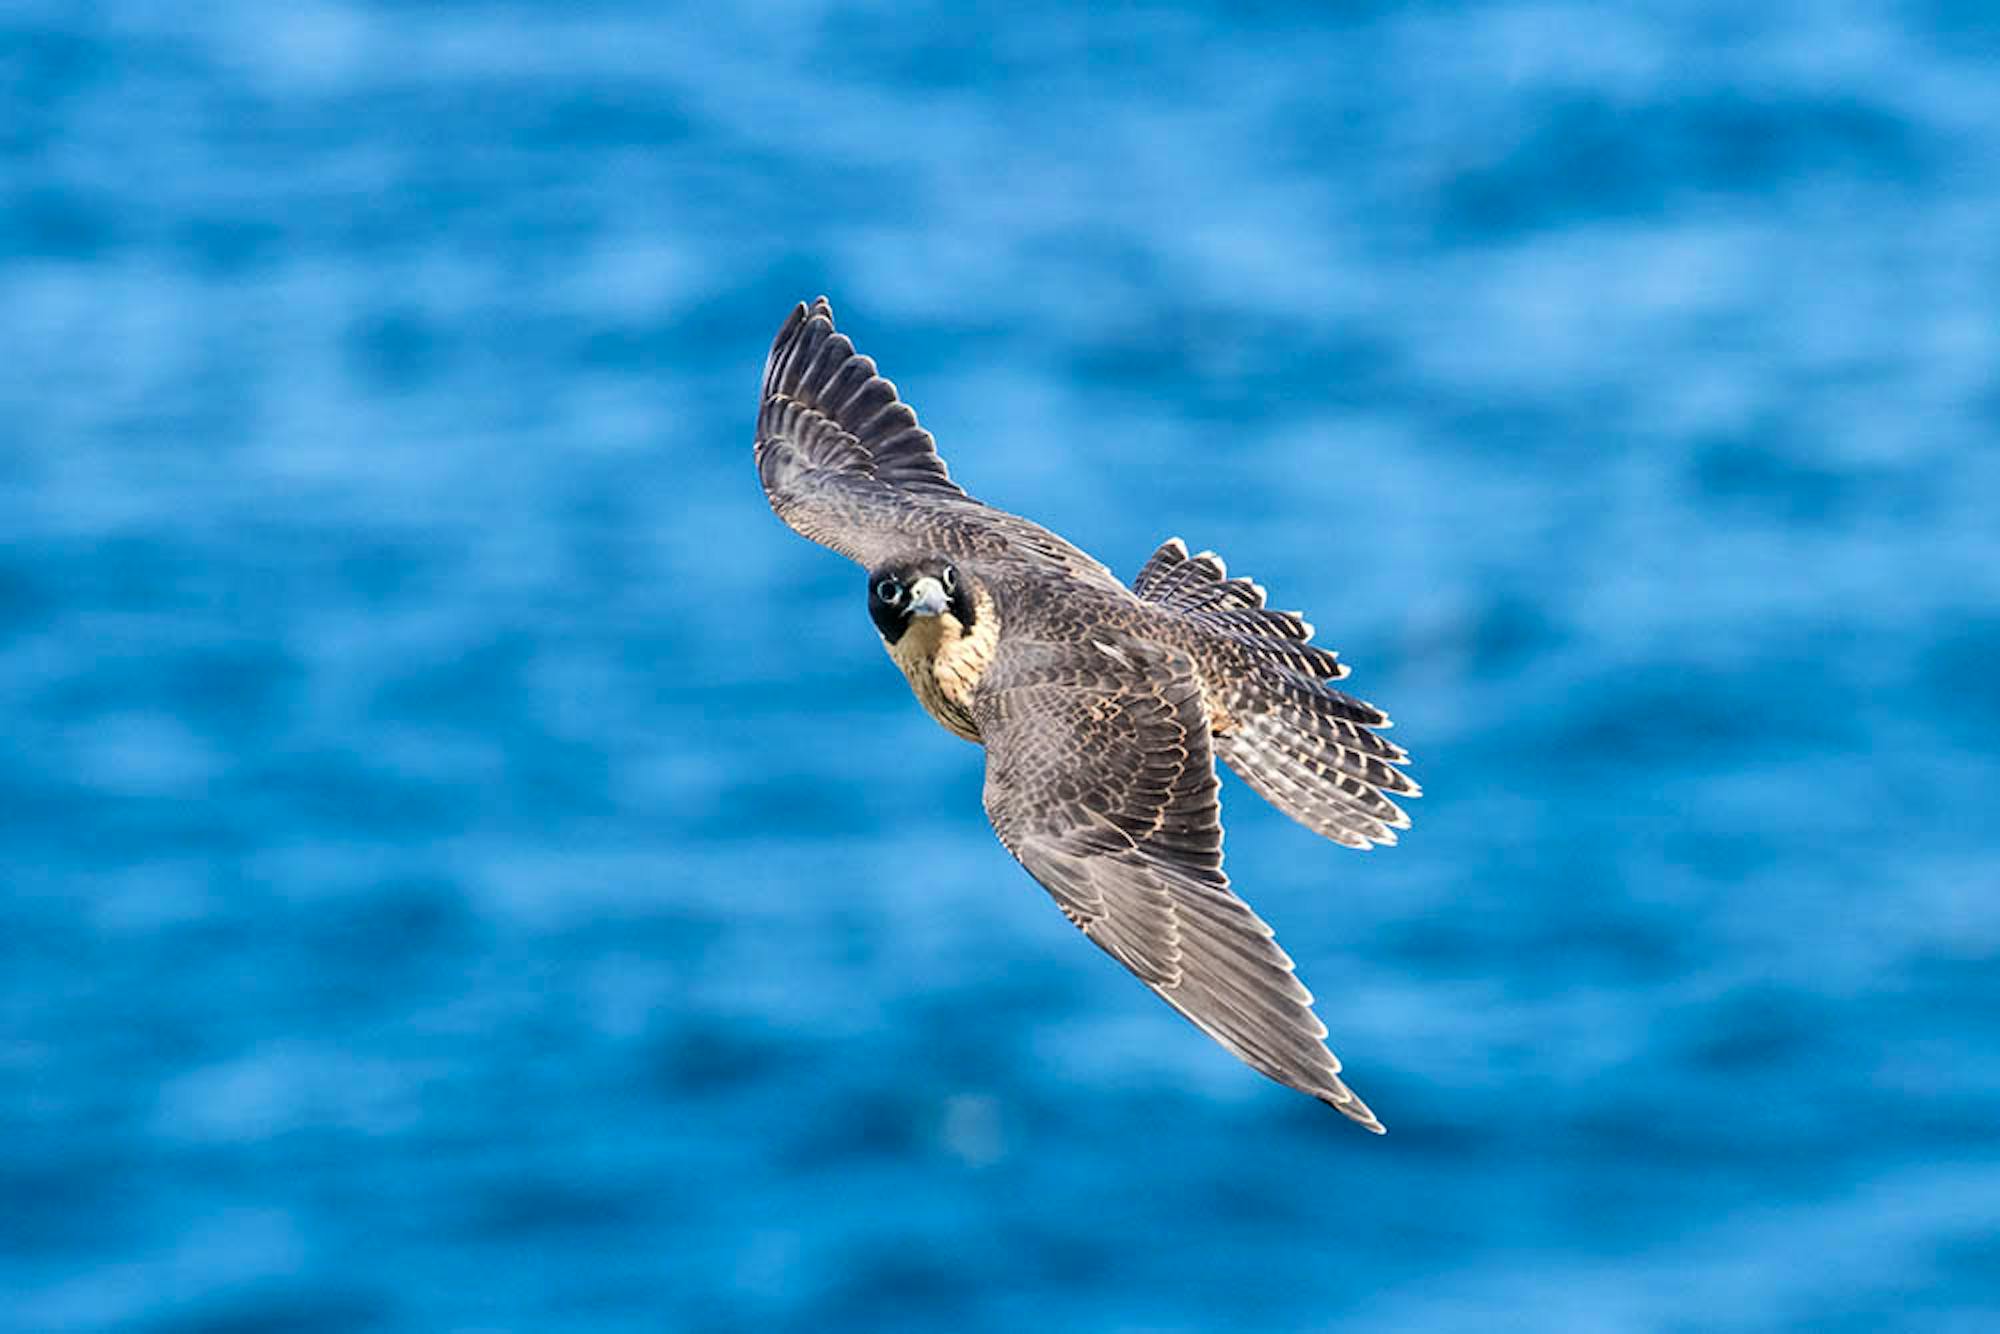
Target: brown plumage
1102,708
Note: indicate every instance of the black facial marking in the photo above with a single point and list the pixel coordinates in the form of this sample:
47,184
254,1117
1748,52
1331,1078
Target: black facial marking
887,614
891,613
961,602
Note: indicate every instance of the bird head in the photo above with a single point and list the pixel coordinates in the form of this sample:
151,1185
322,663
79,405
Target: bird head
903,591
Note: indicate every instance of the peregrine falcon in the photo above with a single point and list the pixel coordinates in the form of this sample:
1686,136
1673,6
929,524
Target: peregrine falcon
1102,708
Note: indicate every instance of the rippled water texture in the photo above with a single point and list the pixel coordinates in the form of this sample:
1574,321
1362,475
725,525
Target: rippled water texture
468,867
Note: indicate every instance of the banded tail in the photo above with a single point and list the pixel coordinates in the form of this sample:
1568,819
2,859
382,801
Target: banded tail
1308,749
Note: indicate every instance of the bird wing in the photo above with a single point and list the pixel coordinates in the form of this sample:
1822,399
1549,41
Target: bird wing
1101,781
844,461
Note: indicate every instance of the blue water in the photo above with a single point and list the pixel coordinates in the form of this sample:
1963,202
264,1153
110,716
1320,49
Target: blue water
467,866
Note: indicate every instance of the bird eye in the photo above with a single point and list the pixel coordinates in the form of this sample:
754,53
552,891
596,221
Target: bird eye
889,590
950,580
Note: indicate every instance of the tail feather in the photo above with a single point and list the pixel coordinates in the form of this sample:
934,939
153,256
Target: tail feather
1198,594
1269,742
1259,621
1304,793
1194,583
1307,748
1341,720
1311,662
1172,553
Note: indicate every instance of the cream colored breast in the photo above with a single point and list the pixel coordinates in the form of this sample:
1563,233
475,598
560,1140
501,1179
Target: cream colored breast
944,662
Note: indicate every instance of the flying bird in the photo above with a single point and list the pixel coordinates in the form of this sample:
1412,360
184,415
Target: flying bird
1102,707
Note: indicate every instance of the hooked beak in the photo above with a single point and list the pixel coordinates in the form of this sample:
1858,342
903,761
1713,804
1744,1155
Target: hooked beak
927,597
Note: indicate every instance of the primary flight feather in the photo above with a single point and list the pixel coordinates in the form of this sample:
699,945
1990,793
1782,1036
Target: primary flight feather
1102,708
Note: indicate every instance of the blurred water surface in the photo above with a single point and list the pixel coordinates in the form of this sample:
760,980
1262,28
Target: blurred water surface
467,866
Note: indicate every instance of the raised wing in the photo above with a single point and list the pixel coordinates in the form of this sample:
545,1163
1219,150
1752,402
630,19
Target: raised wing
1099,778
844,461
826,403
